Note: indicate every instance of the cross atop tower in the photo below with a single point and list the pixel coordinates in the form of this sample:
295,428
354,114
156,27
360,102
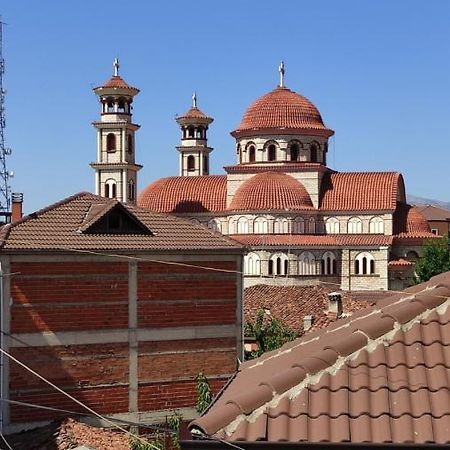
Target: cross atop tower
281,70
116,66
194,100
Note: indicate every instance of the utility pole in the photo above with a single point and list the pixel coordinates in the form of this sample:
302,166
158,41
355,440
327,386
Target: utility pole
5,194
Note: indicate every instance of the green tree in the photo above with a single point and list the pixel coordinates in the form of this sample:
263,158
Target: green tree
204,395
435,259
269,333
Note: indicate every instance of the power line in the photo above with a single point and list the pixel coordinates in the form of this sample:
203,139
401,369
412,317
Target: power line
6,442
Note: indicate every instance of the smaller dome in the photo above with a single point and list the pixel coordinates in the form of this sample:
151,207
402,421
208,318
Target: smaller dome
416,222
271,191
116,84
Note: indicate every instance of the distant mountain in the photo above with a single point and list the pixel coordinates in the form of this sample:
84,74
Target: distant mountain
415,200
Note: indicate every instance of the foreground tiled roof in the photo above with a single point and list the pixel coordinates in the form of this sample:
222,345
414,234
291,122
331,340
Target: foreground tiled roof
282,110
380,376
64,226
65,435
271,191
290,304
186,194
355,191
312,240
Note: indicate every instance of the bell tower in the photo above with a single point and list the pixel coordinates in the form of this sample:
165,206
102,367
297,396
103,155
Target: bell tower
194,150
115,168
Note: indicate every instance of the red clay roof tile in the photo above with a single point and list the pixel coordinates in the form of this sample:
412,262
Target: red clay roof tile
392,388
193,113
186,194
117,82
271,191
356,191
282,110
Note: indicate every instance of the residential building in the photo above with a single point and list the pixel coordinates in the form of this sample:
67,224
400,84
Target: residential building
119,306
438,218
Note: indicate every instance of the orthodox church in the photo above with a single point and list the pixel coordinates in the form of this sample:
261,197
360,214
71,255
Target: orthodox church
301,221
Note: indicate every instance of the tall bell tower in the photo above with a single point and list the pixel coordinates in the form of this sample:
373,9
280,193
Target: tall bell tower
194,150
115,168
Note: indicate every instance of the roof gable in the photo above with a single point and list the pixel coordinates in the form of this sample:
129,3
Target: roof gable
112,218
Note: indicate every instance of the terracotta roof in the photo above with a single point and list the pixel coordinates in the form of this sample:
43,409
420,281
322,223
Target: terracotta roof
355,191
63,226
290,304
186,194
271,191
380,376
334,240
431,212
194,113
400,262
282,110
68,434
117,82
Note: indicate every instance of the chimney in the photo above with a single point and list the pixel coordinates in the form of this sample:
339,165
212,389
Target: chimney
17,201
335,304
307,322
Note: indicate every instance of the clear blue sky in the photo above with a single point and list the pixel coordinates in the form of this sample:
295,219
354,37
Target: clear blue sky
379,72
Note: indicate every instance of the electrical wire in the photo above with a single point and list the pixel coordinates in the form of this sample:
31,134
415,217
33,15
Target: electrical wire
75,400
5,441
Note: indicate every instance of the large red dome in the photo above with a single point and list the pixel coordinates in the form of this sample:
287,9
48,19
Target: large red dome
283,111
271,191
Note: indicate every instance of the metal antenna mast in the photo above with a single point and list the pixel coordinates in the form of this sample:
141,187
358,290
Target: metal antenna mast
5,195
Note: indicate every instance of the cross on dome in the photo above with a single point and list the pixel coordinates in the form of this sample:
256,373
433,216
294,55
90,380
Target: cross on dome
116,66
194,100
281,70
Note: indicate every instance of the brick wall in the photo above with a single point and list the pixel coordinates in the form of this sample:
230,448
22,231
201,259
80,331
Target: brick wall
186,322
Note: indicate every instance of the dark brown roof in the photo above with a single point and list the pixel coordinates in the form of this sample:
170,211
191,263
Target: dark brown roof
380,376
65,225
290,304
68,434
434,213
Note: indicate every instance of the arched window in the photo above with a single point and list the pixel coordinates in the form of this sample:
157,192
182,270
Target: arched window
232,226
214,225
110,107
354,225
110,189
312,225
376,225
271,152
364,264
295,151
190,163
328,264
260,225
242,225
299,225
251,153
199,133
281,225
131,190
278,264
110,142
252,264
412,255
306,264
130,143
332,225
313,152
121,106
191,132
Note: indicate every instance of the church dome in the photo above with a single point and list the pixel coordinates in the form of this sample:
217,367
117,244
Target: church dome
271,191
282,111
